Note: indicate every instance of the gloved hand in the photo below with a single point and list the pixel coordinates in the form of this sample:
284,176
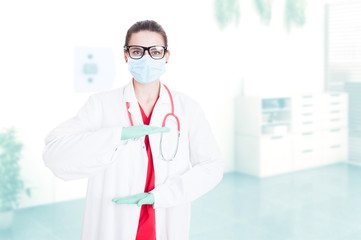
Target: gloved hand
139,199
140,131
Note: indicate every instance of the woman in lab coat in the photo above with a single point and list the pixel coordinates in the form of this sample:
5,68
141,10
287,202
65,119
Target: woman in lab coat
133,192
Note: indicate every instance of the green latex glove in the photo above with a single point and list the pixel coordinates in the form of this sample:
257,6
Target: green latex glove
140,131
139,199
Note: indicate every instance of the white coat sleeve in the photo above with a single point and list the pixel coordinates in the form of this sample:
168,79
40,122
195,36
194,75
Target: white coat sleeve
206,171
78,147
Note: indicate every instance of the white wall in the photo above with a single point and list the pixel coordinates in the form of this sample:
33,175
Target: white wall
269,60
37,51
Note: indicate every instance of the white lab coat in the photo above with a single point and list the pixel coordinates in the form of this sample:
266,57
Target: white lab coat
89,146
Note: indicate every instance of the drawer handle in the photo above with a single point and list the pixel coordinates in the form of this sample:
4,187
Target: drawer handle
335,130
335,119
276,137
307,133
307,96
335,94
335,146
335,103
307,114
307,151
307,105
336,111
306,123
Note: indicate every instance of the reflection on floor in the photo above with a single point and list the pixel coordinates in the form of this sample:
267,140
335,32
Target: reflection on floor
322,203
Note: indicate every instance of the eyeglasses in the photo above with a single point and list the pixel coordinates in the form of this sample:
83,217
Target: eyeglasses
137,52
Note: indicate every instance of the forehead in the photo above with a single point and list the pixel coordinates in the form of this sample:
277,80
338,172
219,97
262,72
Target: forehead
146,39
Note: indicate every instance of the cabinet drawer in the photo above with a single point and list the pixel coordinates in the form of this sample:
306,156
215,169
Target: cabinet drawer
275,154
334,103
334,122
306,113
306,150
334,145
307,158
306,140
334,153
335,136
306,116
335,97
337,113
307,98
334,108
306,124
334,118
306,109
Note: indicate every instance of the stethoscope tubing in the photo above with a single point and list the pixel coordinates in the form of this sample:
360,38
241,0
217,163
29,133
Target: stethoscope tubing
163,125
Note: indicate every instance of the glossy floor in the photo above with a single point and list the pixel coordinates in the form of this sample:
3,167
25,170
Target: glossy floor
322,203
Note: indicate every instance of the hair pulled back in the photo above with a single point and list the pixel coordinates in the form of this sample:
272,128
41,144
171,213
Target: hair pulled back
146,25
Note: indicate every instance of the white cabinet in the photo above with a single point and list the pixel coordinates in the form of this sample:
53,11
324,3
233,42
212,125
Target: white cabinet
306,150
334,147
263,155
262,116
263,142
276,135
306,114
334,111
334,129
275,154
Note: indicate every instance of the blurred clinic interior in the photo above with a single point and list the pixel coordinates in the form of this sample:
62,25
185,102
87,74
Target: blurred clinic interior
279,82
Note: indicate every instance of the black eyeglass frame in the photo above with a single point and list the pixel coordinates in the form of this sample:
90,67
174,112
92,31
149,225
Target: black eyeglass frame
126,48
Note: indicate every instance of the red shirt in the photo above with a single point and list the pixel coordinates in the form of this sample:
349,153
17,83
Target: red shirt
146,226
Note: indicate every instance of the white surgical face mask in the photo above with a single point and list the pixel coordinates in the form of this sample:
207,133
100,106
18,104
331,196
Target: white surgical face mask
146,69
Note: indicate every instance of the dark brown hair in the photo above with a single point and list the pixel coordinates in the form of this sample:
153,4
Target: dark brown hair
146,25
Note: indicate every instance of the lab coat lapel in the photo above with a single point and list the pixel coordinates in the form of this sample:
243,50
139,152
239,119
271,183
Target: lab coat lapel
162,107
129,96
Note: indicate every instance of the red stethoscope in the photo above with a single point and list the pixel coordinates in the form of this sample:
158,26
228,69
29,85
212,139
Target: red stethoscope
163,125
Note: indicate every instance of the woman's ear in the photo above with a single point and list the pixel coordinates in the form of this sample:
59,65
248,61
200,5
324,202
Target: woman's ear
125,56
167,56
